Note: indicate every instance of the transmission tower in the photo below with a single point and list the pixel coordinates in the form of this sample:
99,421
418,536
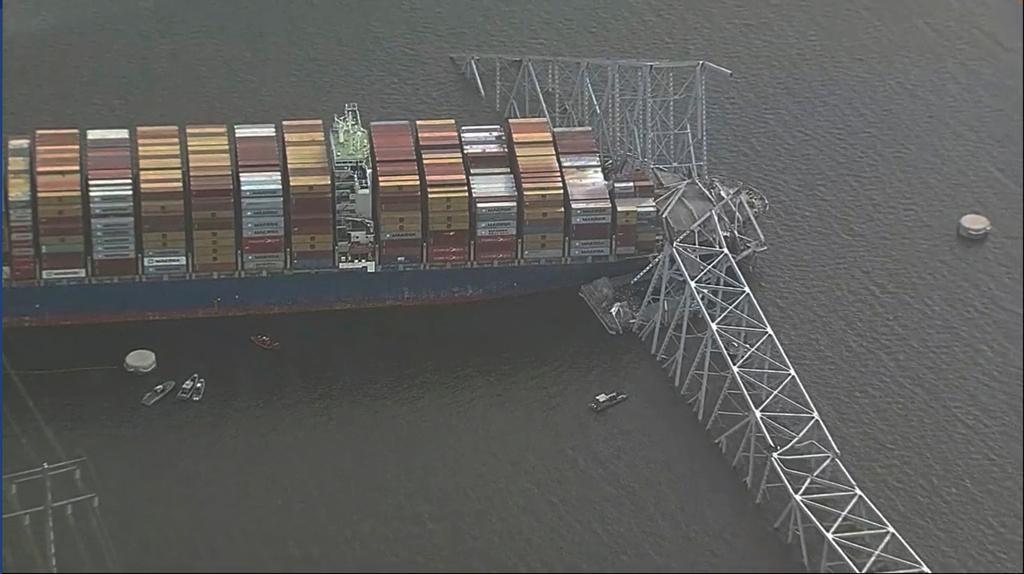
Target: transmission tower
51,514
48,507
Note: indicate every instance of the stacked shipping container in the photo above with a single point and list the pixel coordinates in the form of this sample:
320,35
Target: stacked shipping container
162,200
309,185
541,190
590,209
493,189
211,182
58,176
21,240
259,178
108,160
637,229
447,191
399,193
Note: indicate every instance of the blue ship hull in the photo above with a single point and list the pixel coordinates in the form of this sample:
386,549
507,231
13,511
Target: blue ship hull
133,301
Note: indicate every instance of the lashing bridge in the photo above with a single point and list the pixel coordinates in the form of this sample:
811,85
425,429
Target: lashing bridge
698,313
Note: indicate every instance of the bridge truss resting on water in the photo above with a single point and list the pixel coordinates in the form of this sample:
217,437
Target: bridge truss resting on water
699,314
705,326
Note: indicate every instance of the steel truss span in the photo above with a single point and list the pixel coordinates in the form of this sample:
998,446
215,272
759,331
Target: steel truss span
706,328
651,112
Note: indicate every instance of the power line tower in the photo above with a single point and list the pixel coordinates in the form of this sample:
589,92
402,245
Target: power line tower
51,513
41,504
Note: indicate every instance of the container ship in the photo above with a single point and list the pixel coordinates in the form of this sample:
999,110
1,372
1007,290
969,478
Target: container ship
160,222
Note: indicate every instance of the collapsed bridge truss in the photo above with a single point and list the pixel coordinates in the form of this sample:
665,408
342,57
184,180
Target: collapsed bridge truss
699,314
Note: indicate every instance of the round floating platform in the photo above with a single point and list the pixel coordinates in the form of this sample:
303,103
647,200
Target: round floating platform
140,361
974,226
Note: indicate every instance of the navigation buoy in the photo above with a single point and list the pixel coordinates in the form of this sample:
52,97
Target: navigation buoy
974,226
140,361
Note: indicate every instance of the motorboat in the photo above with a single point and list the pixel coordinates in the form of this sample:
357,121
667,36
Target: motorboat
157,393
197,393
607,400
187,387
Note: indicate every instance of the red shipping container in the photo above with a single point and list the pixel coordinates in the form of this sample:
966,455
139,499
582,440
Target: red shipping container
506,255
261,245
459,238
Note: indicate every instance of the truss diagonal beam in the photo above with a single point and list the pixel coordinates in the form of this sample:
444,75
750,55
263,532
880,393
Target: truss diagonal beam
652,111
741,384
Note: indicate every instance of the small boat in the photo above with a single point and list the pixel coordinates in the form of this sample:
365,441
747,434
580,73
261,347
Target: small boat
197,394
186,387
265,342
157,393
604,401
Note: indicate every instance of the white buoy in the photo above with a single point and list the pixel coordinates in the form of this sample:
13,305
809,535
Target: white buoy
140,361
974,226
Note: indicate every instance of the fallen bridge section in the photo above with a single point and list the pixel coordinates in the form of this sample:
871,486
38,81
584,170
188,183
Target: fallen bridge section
705,326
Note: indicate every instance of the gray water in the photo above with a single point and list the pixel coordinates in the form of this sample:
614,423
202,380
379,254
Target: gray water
457,437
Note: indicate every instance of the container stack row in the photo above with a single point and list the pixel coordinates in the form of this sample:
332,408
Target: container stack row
493,192
21,240
211,182
399,193
259,179
648,226
447,191
590,209
637,229
540,185
312,206
111,179
61,227
162,201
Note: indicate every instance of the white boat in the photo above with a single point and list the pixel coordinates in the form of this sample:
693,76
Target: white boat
604,401
200,388
187,386
157,393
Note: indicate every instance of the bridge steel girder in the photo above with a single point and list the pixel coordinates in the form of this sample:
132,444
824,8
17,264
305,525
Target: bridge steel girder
652,112
707,329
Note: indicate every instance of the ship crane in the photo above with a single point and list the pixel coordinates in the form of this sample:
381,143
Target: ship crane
698,313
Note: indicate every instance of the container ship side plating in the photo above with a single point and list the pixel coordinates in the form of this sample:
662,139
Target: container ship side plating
404,213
